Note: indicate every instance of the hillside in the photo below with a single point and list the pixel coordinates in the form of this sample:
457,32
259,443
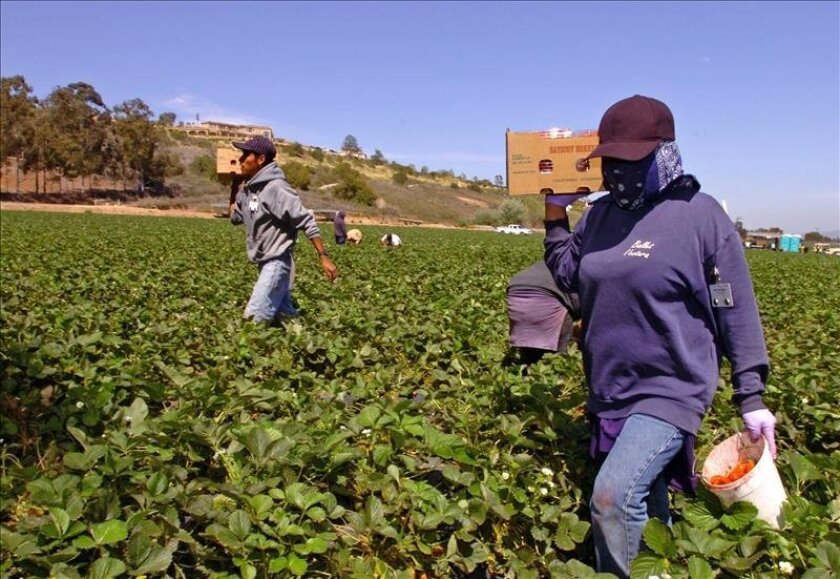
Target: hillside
428,197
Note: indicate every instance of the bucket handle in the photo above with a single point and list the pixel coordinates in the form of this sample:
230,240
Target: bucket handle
717,440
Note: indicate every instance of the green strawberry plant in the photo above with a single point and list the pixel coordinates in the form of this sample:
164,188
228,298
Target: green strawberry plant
147,430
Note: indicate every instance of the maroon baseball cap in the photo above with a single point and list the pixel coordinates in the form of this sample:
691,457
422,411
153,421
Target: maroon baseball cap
259,145
632,128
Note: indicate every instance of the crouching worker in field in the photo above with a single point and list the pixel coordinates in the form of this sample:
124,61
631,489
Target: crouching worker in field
541,317
354,237
665,293
272,213
390,240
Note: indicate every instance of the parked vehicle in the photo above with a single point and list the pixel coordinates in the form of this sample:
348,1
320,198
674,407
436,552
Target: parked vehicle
515,229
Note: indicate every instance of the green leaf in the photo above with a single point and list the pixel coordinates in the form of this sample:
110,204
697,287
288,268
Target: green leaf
262,505
239,524
750,545
828,556
158,560
699,569
258,441
19,545
374,512
315,545
647,564
570,531
135,416
451,546
699,515
740,515
368,416
658,538
296,565
246,569
60,519
109,532
157,484
84,543
106,567
804,469
223,535
277,564
84,460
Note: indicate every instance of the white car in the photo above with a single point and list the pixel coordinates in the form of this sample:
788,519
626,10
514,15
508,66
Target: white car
515,229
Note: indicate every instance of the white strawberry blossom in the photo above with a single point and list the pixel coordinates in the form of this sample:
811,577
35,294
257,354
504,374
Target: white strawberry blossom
785,568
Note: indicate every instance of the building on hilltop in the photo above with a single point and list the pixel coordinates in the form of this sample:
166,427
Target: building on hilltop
214,129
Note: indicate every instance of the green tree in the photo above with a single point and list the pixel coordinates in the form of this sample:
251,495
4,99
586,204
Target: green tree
204,166
352,185
298,175
377,158
18,109
17,112
351,145
486,217
815,237
167,119
499,181
512,211
473,186
295,150
318,154
75,131
138,138
400,178
169,165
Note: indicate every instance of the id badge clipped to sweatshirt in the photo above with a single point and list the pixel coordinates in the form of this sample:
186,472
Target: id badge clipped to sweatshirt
720,293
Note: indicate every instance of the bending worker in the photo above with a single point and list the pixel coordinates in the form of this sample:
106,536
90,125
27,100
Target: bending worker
541,317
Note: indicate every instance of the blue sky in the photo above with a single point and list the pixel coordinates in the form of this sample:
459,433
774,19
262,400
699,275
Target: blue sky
754,87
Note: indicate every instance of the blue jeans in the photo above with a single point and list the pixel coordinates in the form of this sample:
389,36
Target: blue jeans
630,488
271,295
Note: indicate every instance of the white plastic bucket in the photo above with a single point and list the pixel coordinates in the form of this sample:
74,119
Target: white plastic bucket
762,486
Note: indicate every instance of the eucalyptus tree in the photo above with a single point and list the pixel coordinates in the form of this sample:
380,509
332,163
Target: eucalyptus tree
76,138
138,138
18,108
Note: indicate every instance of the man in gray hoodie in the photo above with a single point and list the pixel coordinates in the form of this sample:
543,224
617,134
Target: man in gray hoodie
272,213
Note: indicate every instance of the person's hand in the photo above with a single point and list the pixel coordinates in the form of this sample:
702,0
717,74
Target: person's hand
762,423
555,204
329,268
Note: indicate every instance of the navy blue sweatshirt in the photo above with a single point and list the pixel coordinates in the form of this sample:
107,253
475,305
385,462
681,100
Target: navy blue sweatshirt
652,341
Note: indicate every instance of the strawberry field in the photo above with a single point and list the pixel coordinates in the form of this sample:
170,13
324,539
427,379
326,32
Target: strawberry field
147,430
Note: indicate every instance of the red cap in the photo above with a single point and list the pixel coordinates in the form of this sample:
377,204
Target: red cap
632,128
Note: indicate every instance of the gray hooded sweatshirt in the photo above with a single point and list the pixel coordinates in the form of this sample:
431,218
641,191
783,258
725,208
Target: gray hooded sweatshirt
272,213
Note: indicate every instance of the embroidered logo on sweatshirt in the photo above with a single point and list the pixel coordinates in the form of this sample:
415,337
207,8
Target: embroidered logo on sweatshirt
640,249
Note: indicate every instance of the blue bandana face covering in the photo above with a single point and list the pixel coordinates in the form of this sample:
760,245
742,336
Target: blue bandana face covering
632,184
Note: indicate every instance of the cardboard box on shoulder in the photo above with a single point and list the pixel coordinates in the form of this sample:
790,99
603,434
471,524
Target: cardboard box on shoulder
544,161
227,163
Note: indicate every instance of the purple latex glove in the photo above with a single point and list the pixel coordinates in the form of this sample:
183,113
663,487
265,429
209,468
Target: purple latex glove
762,423
563,199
